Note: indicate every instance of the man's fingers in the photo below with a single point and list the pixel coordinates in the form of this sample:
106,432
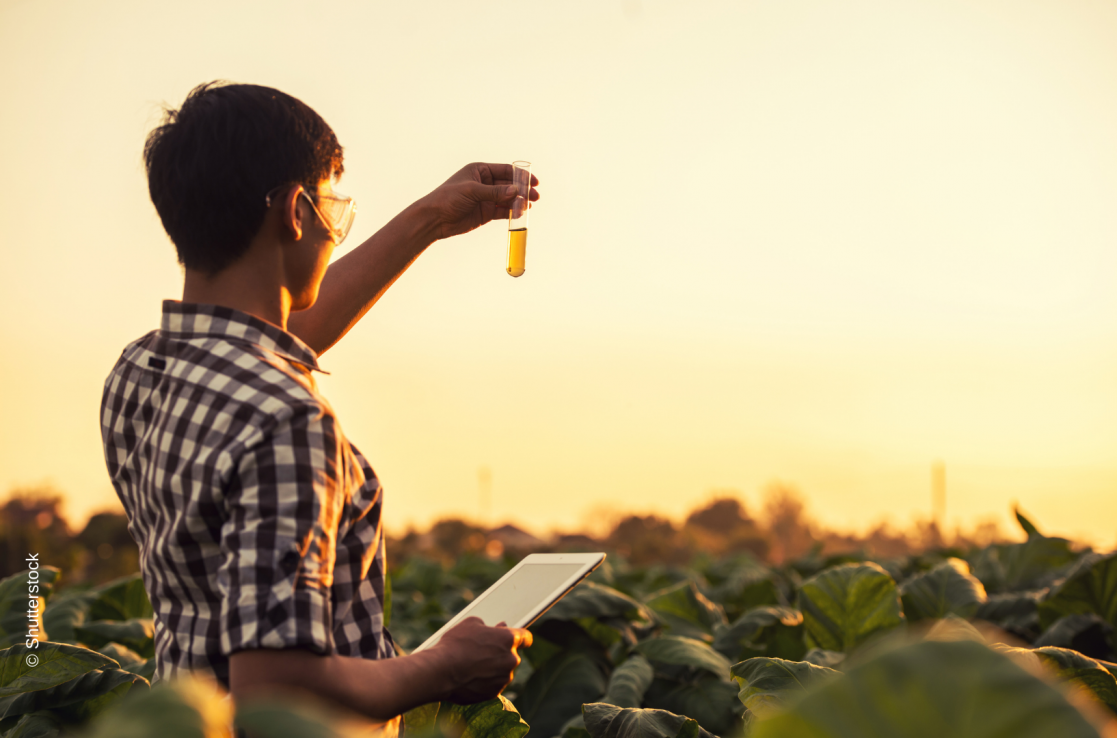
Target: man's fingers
521,637
502,173
491,193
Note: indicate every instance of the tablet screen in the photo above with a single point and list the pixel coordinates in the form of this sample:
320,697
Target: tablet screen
522,592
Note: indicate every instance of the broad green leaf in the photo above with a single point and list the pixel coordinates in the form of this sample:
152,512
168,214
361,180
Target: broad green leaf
137,634
767,684
954,628
641,582
65,611
684,652
629,682
1072,665
610,721
985,564
121,654
1016,612
763,631
492,719
1026,524
1090,587
577,731
948,589
185,707
146,669
1014,567
844,605
575,727
542,650
1036,563
25,669
36,725
520,677
592,600
687,612
273,718
931,689
710,701
752,594
121,599
79,699
1025,657
740,583
555,637
822,657
1086,633
421,720
556,691
419,574
21,594
608,631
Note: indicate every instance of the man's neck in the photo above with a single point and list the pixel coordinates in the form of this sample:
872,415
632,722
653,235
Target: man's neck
249,285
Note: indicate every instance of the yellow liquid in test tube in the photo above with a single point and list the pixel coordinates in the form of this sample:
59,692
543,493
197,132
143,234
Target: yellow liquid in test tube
517,251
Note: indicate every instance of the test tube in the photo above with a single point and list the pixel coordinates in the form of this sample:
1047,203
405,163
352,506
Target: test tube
517,218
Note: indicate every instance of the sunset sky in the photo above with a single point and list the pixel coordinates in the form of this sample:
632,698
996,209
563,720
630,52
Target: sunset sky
816,243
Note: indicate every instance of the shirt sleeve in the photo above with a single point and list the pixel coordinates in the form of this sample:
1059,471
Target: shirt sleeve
278,540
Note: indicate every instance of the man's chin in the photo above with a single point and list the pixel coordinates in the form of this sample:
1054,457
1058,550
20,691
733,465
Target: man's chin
305,303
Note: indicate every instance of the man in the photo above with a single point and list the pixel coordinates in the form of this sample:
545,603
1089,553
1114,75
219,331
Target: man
258,522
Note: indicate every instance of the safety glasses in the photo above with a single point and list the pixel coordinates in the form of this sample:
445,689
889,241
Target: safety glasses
335,210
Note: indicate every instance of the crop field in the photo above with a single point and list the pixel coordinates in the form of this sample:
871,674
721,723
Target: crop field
1010,639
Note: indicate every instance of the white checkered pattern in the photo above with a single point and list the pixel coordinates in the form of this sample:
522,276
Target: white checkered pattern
259,524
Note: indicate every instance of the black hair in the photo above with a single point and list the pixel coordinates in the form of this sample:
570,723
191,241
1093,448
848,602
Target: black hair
211,163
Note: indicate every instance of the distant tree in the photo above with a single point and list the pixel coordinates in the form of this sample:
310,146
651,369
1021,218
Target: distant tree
724,515
452,537
984,533
927,536
403,548
885,541
789,531
723,526
31,522
648,539
108,549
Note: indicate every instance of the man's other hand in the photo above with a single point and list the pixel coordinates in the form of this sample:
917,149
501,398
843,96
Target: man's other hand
475,195
479,660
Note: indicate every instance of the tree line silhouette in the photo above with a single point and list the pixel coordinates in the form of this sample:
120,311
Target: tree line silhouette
32,521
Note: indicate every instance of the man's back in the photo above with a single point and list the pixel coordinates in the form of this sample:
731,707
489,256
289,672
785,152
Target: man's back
259,524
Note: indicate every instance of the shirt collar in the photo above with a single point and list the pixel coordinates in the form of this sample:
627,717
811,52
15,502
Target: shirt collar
199,319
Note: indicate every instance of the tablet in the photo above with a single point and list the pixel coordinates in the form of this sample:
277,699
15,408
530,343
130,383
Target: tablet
527,591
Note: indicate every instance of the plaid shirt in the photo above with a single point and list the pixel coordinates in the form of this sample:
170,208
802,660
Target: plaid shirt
258,522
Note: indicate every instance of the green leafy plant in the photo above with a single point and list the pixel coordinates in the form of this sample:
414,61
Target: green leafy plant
931,688
846,604
818,646
948,589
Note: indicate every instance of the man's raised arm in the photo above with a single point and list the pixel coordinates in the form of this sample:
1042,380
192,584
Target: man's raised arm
475,195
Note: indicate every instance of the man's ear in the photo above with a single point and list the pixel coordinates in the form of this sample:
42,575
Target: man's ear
290,215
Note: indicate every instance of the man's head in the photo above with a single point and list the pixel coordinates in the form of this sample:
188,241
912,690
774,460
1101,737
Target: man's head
212,163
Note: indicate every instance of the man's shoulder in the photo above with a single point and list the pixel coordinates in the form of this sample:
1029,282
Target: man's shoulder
221,367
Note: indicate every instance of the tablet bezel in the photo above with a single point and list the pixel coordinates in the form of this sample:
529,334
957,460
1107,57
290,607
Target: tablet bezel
589,562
